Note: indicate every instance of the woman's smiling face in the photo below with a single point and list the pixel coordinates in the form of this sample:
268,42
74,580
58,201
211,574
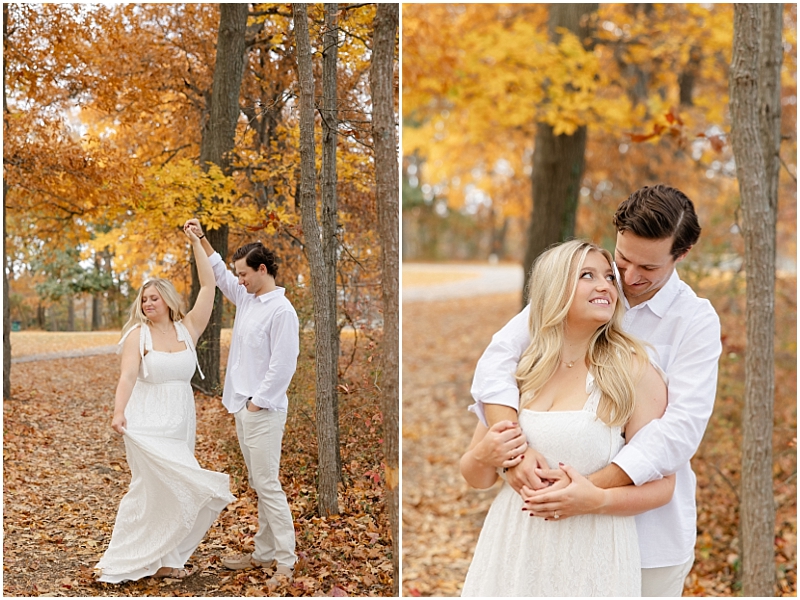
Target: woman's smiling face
596,293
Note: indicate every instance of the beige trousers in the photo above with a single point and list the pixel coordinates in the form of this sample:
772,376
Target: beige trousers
665,581
260,435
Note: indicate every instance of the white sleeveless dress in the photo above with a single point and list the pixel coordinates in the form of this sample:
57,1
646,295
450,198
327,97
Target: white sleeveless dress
171,501
586,555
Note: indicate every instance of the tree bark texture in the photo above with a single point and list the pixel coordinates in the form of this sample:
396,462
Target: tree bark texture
6,307
757,511
6,304
388,202
218,137
327,483
558,160
769,89
329,212
70,312
97,297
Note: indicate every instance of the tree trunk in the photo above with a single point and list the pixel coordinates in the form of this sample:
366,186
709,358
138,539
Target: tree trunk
329,213
558,160
757,511
6,303
70,299
384,130
97,297
217,141
327,484
688,77
97,311
770,95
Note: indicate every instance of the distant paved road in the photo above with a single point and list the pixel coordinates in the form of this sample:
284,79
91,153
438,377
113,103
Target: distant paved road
459,280
66,354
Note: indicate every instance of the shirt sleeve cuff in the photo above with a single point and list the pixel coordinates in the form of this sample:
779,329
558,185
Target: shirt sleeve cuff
215,259
509,398
636,465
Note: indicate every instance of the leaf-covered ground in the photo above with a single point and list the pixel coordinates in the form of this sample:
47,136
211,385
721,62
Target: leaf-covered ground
442,516
64,472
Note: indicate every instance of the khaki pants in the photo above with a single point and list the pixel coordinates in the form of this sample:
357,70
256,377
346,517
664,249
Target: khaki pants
665,581
260,434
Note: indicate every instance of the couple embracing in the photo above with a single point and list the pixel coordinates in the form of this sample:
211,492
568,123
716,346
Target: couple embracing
591,402
172,501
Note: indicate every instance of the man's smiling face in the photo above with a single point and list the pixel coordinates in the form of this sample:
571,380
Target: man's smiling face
644,265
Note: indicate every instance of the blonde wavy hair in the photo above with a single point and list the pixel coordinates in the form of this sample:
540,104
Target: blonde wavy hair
170,295
615,358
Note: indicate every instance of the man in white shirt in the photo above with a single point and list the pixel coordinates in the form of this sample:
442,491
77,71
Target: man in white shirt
263,356
656,228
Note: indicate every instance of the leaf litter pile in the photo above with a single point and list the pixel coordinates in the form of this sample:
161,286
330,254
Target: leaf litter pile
442,516
64,473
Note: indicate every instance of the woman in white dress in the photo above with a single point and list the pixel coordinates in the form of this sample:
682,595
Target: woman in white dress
586,386
171,501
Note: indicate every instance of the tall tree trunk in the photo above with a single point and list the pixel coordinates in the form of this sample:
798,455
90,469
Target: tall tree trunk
769,89
97,311
6,303
329,213
558,160
757,511
217,141
327,483
688,77
387,180
70,299
97,297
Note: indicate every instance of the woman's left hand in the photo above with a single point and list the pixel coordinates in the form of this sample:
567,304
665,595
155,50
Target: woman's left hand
579,497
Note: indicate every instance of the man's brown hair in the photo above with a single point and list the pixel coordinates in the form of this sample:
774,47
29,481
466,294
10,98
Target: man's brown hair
658,212
255,255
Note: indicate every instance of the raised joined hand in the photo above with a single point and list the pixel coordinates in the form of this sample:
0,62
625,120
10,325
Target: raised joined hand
193,229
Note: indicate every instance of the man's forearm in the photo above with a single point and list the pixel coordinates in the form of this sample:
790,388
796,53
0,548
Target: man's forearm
497,412
207,246
634,500
610,476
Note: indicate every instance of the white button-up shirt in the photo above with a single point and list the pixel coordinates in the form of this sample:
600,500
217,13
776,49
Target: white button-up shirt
684,332
264,345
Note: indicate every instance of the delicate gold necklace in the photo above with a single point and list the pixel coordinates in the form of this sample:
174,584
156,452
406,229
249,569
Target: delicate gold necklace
569,364
159,329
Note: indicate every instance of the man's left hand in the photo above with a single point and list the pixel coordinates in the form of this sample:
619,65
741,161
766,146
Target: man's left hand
572,494
252,407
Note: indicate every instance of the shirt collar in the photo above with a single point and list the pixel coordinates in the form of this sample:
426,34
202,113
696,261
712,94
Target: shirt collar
663,298
276,293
